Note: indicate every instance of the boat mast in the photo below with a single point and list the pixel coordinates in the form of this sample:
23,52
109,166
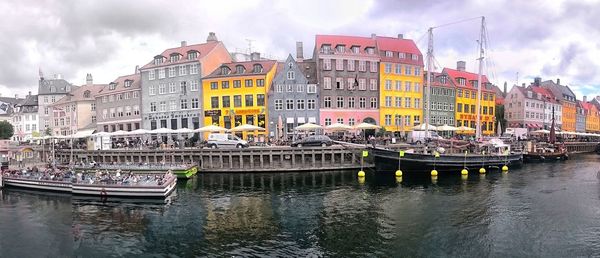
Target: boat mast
429,71
481,57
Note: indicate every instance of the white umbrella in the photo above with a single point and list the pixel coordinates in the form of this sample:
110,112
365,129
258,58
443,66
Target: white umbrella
541,131
210,128
308,127
446,127
184,130
119,133
138,132
99,134
464,128
162,131
423,127
246,127
338,127
366,126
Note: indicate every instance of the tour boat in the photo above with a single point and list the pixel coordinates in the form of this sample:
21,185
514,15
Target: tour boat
181,171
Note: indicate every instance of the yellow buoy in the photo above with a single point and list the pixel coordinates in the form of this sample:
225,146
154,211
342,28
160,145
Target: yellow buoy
434,172
398,172
464,171
482,171
464,177
504,168
361,173
399,179
361,180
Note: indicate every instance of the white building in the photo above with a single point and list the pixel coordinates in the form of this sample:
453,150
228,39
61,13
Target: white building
25,119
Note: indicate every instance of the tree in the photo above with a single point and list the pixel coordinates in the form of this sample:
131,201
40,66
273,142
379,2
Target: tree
48,131
500,116
6,130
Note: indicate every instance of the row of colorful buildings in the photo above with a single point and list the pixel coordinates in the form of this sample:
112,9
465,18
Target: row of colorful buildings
348,80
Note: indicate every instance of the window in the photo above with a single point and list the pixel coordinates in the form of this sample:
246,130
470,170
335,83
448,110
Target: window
387,68
290,87
350,82
339,64
407,70
279,88
339,83
373,84
451,107
461,81
351,102
327,83
362,65
248,83
214,85
351,64
172,88
225,70
473,109
327,102
226,101
355,49
194,69
389,54
407,120
417,71
326,64
163,107
341,48
300,104
388,101
339,120
237,100
184,104
104,113
104,100
311,88
136,110
445,107
291,75
362,84
119,96
407,86
310,104
373,102
260,82
93,106
152,109
136,94
407,102
171,71
417,103
161,73
151,75
388,120
362,102
172,105
398,102
260,100
289,104
370,50
373,66
127,95
327,121
237,83
152,90
182,70
162,88
195,103
249,100
278,104
417,87
492,112
473,95
340,102
214,102
193,85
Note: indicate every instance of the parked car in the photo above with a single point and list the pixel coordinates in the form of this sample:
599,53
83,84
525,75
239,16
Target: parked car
314,140
225,140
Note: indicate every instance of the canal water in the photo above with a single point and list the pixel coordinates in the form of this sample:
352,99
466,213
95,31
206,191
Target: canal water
541,210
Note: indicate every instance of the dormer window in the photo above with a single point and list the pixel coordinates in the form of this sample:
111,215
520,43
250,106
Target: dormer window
158,60
225,70
52,89
389,54
461,81
86,94
128,83
355,49
370,50
443,79
257,68
174,58
112,86
341,48
401,55
239,69
415,57
192,55
326,49
529,94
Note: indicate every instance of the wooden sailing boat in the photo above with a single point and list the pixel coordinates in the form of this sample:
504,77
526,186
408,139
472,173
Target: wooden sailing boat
489,154
550,151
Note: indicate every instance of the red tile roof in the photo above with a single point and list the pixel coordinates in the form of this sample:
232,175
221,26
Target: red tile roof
248,68
455,74
348,41
203,49
120,81
399,46
547,94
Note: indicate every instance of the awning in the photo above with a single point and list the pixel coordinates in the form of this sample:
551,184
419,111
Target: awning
312,120
289,120
83,133
301,120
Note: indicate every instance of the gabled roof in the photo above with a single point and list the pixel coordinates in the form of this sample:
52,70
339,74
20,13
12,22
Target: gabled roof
398,45
557,89
61,86
309,68
348,41
79,94
455,74
545,93
203,49
120,84
436,80
30,100
248,69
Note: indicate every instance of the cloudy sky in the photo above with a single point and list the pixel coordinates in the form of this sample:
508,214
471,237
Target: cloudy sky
108,38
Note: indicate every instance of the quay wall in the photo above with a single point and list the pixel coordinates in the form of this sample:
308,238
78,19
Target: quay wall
264,159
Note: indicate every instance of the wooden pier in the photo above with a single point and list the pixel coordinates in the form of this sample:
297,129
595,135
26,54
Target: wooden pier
263,159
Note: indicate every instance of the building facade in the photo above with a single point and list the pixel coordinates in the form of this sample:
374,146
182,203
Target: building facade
76,110
401,81
550,107
118,105
236,94
25,119
580,126
172,82
466,99
348,72
443,98
592,117
7,108
293,99
50,91
566,99
531,108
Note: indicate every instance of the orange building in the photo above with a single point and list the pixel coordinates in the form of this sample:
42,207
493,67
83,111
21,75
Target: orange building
592,118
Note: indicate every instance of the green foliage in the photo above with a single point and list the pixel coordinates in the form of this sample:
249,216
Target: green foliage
48,131
6,130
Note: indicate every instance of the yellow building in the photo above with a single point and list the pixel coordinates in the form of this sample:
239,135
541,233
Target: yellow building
466,100
236,94
592,118
401,81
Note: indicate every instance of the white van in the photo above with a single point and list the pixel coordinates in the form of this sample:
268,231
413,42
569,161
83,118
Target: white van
225,140
420,136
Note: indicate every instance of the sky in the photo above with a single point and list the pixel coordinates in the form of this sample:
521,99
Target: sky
108,38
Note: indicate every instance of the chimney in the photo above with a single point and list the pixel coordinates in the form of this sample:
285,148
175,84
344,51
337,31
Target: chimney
537,81
461,65
584,99
212,37
88,79
523,84
373,35
505,86
29,93
299,51
137,69
255,56
558,81
400,36
16,96
184,43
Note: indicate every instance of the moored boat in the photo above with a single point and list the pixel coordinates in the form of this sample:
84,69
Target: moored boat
541,152
182,171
